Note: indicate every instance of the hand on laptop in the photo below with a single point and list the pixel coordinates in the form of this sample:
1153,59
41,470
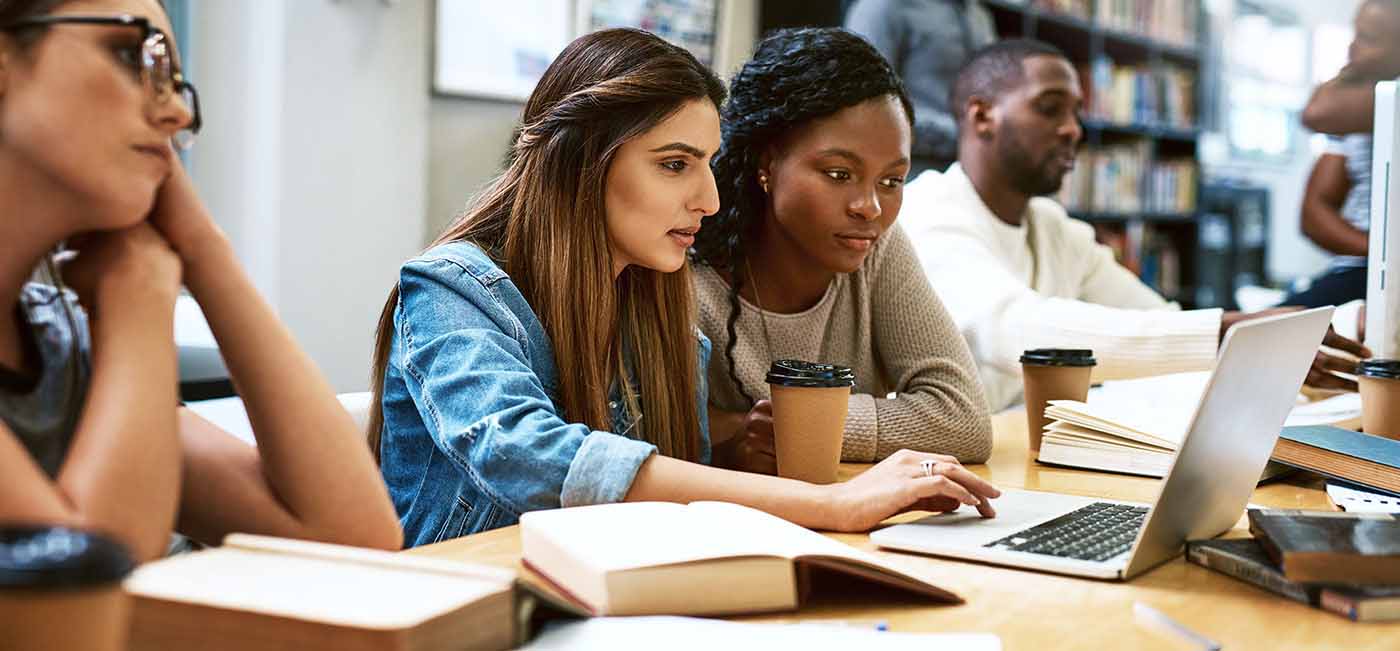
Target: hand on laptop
899,484
1325,362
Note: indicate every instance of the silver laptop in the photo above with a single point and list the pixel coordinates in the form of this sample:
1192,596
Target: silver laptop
1261,367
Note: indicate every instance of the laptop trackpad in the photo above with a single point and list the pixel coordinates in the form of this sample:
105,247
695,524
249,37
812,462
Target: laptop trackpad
1016,510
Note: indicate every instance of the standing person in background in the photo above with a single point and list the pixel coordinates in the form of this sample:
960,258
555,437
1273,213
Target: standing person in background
927,42
1336,212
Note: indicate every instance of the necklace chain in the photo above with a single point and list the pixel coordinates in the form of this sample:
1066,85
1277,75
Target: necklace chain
762,319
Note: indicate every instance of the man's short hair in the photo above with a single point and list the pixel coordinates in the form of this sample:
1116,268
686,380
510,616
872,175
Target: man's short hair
996,69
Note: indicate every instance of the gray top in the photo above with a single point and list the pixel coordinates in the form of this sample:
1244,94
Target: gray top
43,409
926,41
1357,207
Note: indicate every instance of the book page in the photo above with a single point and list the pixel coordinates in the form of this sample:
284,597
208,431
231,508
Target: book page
609,537
308,588
1160,408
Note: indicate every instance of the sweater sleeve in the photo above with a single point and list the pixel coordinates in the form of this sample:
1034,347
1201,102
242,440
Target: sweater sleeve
939,405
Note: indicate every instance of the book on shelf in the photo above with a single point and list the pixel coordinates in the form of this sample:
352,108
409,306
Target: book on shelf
1366,460
1136,426
1081,9
257,592
1138,95
703,558
1330,546
1174,21
1244,559
1124,179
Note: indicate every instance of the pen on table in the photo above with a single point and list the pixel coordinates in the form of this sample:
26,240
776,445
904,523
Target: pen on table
1156,619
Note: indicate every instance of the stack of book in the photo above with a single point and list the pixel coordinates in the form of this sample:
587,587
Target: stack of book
1346,563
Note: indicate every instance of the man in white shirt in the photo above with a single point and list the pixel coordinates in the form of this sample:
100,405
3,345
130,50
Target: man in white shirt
1011,266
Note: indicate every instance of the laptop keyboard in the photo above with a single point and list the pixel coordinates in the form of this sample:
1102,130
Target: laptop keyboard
1096,532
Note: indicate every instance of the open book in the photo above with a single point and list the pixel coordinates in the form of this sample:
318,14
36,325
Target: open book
256,592
705,558
1136,426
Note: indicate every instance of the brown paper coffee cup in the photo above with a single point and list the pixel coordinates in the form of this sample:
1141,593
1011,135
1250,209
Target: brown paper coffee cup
1052,374
1380,406
96,619
809,417
809,424
61,589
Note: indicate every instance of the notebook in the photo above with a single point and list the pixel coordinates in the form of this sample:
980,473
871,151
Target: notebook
704,558
1369,461
258,592
1329,546
1136,426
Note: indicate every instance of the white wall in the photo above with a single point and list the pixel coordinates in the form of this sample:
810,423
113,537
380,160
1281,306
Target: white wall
468,137
315,157
328,161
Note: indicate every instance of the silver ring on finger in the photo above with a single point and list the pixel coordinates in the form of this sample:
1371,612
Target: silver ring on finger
927,465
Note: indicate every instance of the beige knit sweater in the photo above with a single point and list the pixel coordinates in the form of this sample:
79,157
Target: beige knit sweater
884,322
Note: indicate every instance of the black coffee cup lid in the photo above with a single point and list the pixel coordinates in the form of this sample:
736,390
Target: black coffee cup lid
1387,369
1058,357
58,558
797,373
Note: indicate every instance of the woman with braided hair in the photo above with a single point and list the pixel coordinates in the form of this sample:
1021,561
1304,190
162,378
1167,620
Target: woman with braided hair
543,352
803,259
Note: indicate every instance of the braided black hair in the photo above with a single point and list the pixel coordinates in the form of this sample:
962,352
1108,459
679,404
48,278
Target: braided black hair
795,76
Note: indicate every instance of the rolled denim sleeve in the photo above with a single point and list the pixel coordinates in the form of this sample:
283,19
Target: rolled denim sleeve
466,367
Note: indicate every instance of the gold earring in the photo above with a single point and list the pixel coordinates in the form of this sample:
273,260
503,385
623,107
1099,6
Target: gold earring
763,181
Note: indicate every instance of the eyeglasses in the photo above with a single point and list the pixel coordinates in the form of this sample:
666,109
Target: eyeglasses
158,73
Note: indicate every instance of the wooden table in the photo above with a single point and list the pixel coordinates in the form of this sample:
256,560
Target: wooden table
1031,610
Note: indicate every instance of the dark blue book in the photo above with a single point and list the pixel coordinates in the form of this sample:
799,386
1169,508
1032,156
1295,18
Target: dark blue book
1363,459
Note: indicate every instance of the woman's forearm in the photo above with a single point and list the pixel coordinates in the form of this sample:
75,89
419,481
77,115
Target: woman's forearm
122,472
313,456
665,479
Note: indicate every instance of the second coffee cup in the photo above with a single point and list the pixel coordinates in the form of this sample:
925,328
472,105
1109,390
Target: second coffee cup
1379,381
809,417
1052,374
62,589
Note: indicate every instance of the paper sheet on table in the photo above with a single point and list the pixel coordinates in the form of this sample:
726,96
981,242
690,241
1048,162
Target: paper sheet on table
1361,501
698,634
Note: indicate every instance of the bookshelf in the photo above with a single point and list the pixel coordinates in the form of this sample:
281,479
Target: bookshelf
1137,179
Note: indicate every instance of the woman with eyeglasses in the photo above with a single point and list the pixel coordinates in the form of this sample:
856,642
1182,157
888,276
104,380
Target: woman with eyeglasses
92,108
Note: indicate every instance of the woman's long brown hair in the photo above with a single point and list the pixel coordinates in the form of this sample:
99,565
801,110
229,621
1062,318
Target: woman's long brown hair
543,221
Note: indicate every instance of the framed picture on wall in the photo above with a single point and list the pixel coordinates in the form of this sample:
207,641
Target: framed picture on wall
497,50
691,24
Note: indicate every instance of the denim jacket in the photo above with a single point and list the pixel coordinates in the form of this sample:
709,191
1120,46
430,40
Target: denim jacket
473,433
